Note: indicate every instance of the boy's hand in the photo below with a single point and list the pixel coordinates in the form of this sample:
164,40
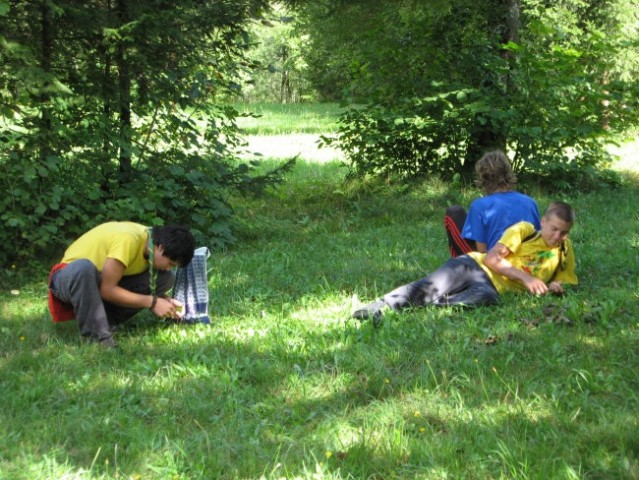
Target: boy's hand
179,307
535,286
167,308
556,288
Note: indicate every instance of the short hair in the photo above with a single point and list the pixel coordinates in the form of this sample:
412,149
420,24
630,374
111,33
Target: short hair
494,172
561,210
177,241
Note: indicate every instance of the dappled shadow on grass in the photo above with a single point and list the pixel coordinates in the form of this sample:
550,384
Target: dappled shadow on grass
306,239
417,394
315,196
283,385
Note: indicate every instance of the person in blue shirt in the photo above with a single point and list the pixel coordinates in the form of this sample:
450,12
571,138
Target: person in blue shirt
524,259
489,216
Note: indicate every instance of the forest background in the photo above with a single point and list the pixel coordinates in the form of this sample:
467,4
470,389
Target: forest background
103,102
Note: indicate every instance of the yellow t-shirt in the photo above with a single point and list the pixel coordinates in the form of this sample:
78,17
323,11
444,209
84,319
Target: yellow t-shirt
123,241
532,256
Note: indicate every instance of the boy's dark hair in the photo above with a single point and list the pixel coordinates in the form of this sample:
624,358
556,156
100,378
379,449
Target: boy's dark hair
494,172
561,210
178,243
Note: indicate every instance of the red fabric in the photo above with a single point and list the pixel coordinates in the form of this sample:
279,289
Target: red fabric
60,311
461,245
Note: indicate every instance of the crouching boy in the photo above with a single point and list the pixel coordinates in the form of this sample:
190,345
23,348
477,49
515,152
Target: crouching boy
115,270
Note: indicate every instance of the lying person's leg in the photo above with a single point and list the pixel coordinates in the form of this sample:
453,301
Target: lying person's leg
476,294
460,281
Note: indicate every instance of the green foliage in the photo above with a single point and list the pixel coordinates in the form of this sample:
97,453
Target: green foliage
431,137
284,119
547,84
280,69
411,138
361,50
108,112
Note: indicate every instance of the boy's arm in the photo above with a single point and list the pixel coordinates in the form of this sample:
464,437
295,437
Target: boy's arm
481,247
496,260
112,272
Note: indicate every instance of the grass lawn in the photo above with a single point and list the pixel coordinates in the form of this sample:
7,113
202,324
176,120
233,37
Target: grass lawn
282,119
284,385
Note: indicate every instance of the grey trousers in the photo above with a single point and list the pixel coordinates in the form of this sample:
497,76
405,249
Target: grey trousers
459,281
79,284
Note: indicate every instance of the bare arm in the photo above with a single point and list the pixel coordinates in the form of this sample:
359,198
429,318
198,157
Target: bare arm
496,259
112,273
481,247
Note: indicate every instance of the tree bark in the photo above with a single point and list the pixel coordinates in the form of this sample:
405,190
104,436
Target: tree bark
285,85
46,52
488,137
124,95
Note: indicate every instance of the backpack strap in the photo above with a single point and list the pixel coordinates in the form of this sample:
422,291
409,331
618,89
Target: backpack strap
531,236
562,258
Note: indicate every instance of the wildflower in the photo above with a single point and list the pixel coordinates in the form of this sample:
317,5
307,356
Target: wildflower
22,338
386,380
329,454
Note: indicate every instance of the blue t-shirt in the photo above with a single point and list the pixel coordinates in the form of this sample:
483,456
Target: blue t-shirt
489,216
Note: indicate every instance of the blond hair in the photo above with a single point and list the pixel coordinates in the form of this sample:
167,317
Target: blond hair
562,211
494,172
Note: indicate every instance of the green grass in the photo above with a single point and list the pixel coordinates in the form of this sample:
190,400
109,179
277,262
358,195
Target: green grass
282,119
284,385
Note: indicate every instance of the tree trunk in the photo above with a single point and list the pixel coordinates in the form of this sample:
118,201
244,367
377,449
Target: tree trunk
488,137
124,95
46,52
285,85
107,99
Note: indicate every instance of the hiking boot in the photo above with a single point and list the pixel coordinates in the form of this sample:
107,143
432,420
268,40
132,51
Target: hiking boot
109,343
374,311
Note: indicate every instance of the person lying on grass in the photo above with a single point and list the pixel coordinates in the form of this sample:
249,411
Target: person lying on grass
489,216
115,270
524,259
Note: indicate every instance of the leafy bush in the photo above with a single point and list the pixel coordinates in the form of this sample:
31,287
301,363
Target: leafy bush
553,96
108,113
415,137
551,136
49,202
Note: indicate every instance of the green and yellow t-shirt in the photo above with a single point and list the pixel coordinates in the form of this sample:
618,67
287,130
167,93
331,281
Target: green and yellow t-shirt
122,241
533,256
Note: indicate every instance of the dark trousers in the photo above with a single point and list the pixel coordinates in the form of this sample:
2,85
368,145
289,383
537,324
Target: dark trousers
454,219
79,284
460,281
